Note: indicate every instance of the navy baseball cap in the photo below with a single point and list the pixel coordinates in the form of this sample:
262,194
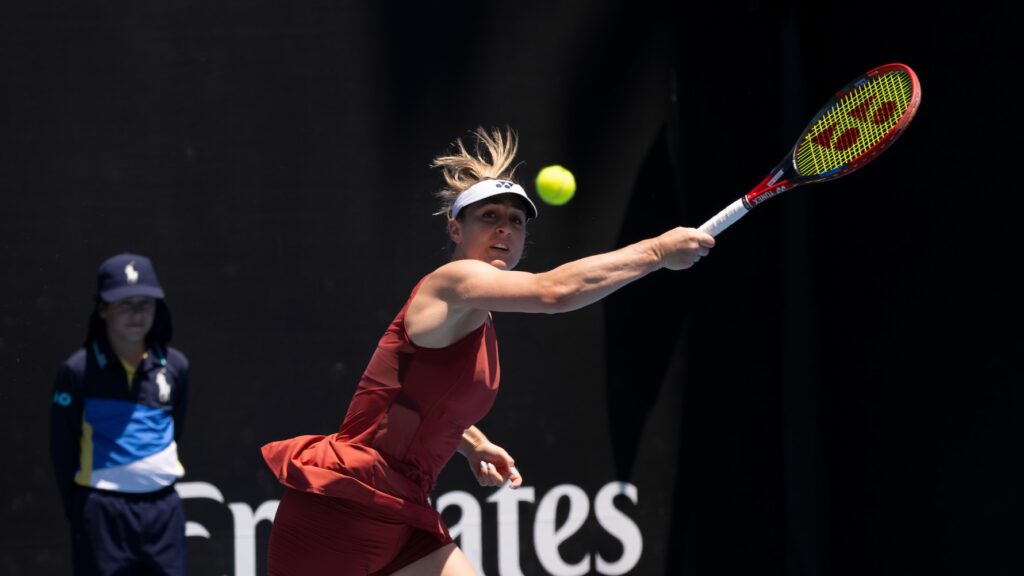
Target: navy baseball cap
125,276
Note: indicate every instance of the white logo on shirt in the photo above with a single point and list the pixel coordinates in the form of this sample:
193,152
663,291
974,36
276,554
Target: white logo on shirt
131,273
165,388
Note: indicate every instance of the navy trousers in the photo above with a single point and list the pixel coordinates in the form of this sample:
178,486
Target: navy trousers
117,534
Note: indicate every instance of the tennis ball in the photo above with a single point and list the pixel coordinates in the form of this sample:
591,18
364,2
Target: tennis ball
555,185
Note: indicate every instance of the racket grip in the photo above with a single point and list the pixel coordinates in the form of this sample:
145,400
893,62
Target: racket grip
725,218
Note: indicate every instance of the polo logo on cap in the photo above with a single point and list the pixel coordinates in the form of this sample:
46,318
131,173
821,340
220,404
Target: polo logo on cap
130,273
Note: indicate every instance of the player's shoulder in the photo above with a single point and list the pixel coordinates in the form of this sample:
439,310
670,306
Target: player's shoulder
457,269
456,274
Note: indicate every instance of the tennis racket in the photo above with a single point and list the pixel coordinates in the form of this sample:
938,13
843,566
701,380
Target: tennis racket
852,129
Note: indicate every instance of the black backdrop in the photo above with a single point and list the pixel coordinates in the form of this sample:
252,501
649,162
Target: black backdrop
834,391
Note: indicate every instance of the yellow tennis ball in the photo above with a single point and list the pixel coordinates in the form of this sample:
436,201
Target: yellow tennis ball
555,185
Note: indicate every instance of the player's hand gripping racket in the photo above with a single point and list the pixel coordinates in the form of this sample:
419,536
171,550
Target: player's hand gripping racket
852,129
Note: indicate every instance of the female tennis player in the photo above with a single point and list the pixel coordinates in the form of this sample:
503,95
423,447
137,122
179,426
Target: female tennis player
356,501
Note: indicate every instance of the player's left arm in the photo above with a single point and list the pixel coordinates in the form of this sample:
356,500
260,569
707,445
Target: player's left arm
490,464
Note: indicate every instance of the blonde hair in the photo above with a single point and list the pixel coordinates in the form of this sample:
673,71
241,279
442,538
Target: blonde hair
491,158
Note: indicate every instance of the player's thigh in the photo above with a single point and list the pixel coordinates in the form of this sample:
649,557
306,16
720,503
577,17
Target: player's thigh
446,561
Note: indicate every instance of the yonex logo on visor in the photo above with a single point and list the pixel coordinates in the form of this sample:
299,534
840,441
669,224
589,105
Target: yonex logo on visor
486,189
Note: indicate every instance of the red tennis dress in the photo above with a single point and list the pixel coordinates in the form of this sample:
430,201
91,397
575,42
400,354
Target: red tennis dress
403,424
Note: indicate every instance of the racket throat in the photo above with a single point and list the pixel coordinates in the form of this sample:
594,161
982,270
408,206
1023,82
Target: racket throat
772,185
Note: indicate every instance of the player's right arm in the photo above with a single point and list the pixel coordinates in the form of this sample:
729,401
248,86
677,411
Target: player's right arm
477,285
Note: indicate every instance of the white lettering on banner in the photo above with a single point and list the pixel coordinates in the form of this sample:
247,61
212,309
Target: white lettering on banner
206,490
508,527
468,530
620,526
547,537
245,522
245,533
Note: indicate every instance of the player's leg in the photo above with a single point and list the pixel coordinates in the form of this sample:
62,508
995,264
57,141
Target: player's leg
445,561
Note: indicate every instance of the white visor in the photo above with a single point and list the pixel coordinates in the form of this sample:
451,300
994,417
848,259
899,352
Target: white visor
486,189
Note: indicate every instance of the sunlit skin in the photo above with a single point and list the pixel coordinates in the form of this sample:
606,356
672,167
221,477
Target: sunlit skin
128,322
458,297
492,231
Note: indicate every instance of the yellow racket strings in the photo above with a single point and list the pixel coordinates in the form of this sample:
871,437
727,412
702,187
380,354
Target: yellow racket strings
854,123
